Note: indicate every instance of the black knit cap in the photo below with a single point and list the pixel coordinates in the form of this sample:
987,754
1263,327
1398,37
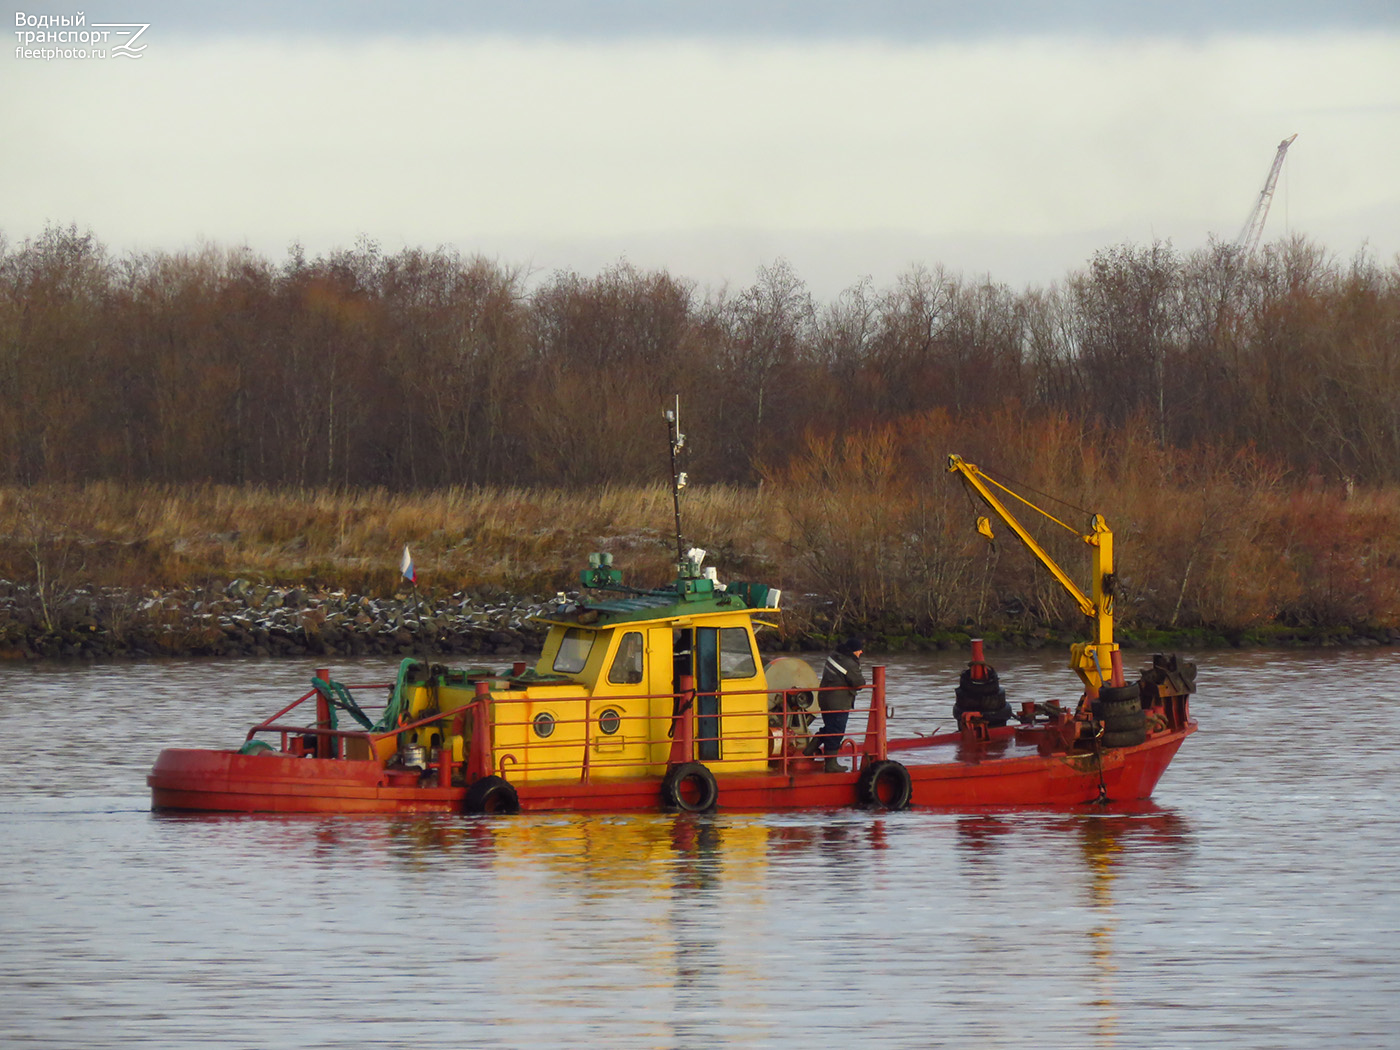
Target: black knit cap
851,645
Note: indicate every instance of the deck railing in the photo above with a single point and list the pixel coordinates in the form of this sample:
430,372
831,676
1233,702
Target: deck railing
669,738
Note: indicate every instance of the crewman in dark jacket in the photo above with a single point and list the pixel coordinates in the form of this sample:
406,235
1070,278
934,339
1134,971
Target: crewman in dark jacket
841,677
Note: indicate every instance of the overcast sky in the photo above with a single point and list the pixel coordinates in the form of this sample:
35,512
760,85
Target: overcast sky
1010,139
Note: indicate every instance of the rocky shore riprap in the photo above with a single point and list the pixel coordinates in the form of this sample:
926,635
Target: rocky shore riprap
251,619
244,618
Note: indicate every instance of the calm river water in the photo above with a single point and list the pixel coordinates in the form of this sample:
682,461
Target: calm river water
1257,905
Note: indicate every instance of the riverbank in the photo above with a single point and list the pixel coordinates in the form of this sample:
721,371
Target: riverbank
251,620
247,619
105,570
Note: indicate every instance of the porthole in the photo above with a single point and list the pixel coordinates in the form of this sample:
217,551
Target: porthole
544,724
610,721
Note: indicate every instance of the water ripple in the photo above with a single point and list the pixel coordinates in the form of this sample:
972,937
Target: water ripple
1252,906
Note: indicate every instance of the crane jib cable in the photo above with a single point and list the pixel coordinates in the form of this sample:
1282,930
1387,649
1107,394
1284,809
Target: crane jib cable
1044,495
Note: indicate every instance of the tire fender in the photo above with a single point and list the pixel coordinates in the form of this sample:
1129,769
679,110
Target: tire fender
491,794
689,788
885,785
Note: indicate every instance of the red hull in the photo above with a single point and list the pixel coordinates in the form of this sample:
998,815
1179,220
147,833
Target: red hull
944,773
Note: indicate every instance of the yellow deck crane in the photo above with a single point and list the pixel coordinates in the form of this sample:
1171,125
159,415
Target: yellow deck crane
1091,660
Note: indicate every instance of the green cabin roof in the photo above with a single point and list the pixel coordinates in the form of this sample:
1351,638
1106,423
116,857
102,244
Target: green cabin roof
688,596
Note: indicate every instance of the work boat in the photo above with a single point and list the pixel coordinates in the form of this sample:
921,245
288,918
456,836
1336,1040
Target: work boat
647,699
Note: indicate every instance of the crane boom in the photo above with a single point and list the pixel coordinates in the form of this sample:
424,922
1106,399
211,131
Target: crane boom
1253,228
1090,660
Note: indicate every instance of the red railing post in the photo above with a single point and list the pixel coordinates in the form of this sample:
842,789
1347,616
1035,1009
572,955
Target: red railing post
587,735
978,664
876,727
324,744
785,734
683,722
479,756
1115,662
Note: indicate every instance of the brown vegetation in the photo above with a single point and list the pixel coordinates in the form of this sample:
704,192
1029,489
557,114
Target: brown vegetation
425,370
187,418
870,523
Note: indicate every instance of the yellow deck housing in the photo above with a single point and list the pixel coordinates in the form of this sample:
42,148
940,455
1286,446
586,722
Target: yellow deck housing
599,702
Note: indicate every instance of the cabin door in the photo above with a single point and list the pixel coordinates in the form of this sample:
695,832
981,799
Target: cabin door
707,694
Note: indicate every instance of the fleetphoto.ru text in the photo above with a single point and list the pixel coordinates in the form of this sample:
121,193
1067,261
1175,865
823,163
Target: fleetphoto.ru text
49,37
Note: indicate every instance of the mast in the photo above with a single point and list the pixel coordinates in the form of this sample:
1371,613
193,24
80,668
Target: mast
678,478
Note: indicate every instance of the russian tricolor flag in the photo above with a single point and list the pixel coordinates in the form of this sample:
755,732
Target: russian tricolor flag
406,566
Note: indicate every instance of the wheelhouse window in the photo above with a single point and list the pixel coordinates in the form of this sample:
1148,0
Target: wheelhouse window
736,654
627,664
573,650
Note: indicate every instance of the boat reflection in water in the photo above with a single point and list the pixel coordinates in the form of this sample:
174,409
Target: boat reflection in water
1145,834
729,929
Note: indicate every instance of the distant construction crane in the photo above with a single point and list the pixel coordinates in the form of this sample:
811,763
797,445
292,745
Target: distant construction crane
1253,229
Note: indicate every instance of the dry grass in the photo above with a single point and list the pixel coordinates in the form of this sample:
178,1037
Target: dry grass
478,539
872,521
1206,538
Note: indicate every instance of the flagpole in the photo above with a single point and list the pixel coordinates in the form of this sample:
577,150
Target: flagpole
408,572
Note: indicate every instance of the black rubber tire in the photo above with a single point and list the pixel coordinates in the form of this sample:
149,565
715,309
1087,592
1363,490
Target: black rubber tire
978,686
689,788
1129,723
977,700
1123,738
491,794
885,784
1106,709
1109,694
1114,701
